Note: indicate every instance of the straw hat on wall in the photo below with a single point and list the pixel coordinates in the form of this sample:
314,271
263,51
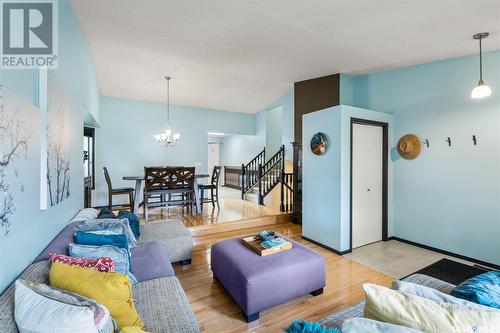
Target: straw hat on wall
409,146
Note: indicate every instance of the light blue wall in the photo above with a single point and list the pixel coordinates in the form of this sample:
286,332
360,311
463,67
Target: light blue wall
448,197
287,116
281,122
273,130
77,75
321,179
126,140
346,89
326,178
240,149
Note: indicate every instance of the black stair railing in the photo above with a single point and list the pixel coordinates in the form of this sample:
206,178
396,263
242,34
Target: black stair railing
286,194
250,172
266,175
270,173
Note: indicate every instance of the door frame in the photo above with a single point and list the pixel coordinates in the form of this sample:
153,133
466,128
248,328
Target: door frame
385,174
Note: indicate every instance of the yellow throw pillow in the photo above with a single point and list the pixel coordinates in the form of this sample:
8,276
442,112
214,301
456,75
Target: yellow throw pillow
396,307
113,290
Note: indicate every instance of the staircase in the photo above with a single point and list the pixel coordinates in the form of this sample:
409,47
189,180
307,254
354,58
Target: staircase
261,177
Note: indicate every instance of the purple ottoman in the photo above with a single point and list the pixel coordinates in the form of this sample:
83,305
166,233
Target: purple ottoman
257,283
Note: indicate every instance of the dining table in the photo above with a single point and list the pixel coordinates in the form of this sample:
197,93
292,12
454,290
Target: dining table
139,184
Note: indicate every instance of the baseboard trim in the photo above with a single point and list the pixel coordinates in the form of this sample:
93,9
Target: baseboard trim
326,247
448,253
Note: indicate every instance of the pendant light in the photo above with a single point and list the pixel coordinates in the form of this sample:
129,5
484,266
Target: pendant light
167,138
482,90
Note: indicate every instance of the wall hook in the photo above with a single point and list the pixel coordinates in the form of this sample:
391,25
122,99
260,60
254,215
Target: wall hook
449,141
474,140
426,142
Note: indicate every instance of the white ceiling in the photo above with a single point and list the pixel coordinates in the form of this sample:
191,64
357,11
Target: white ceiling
240,55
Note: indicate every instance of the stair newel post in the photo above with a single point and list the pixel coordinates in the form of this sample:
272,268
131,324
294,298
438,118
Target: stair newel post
243,182
261,198
282,177
282,194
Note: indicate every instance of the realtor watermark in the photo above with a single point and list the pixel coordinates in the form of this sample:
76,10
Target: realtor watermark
29,34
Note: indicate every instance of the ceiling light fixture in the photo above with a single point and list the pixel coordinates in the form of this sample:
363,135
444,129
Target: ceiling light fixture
482,90
167,138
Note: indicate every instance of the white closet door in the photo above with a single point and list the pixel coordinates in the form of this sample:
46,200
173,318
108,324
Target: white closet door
367,155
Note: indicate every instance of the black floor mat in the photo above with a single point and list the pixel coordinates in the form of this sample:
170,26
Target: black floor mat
451,271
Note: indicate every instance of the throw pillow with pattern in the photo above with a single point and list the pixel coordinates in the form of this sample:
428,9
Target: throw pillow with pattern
103,264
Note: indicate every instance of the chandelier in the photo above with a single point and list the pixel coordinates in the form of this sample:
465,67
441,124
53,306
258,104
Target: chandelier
167,137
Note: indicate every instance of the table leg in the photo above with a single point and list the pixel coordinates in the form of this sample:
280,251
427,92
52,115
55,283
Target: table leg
138,190
197,196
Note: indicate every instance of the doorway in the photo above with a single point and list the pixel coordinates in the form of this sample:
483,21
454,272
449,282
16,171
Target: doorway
213,156
369,153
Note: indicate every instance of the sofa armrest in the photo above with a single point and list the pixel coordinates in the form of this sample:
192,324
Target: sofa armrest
429,281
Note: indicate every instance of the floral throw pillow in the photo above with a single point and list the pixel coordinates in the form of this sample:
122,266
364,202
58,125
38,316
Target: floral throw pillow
104,264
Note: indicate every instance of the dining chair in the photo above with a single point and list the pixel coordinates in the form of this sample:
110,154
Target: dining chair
118,191
174,183
214,185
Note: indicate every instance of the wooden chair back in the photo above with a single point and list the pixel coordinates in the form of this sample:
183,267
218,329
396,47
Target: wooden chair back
108,179
216,175
164,178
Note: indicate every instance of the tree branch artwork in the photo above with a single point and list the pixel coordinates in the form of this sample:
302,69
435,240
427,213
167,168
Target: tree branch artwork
58,166
13,146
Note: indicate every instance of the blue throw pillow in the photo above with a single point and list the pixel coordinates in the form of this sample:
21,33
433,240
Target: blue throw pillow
96,238
106,213
117,226
133,221
482,289
120,256
302,326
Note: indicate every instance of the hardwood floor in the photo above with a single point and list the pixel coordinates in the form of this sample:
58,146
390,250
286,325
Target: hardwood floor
216,311
231,210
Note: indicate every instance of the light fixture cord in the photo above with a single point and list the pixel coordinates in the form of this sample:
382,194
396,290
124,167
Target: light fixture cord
168,101
480,59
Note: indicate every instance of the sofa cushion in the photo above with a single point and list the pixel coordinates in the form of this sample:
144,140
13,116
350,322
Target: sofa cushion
481,289
432,294
38,272
400,308
40,308
113,290
103,264
120,256
133,220
357,310
163,306
173,235
150,261
335,319
431,282
120,226
99,238
85,214
152,255
364,325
